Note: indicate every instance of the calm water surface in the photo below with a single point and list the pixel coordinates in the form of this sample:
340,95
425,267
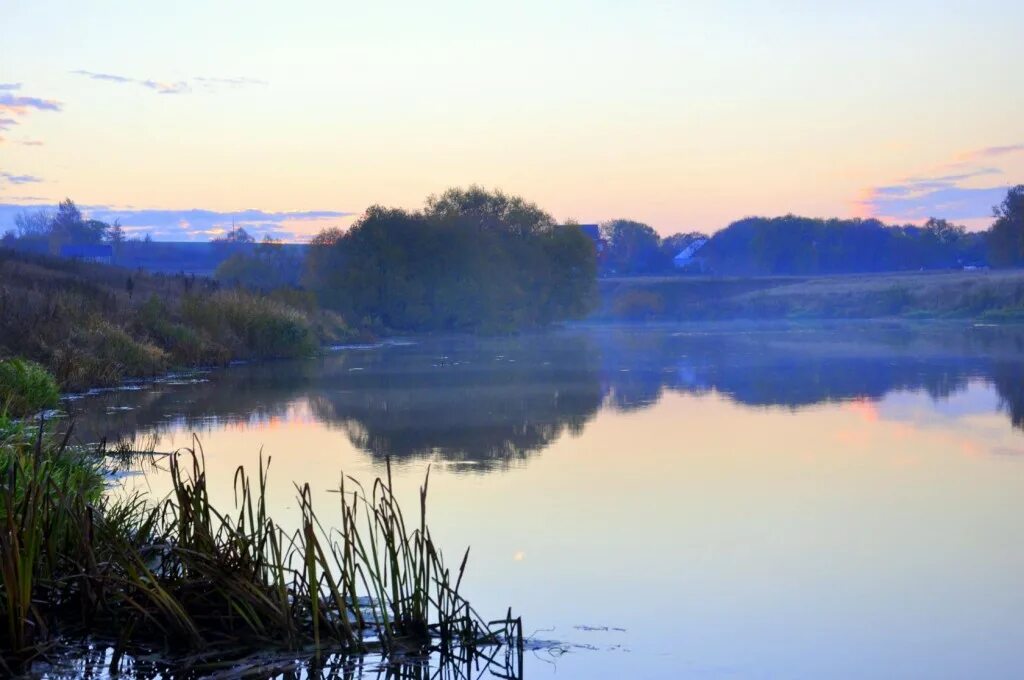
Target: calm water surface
692,501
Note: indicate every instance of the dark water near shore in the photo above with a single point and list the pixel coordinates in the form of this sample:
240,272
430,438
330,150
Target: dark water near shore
801,501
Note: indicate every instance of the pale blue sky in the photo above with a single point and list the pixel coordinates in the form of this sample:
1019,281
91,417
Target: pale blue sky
683,115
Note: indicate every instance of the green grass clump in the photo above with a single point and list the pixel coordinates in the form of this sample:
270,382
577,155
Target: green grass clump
182,578
105,354
251,325
26,388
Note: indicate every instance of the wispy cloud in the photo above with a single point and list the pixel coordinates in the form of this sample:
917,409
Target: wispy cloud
950,202
179,87
11,178
16,104
215,84
206,84
7,124
198,224
990,152
943,193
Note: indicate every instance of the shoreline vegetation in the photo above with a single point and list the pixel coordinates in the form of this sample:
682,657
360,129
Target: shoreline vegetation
990,296
204,587
93,325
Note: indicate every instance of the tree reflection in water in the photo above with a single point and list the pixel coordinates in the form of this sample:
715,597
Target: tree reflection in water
490,402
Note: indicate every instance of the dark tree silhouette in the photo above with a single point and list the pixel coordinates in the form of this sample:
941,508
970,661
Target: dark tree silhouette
472,260
1006,238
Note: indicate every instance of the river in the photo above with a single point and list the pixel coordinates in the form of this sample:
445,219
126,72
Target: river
712,501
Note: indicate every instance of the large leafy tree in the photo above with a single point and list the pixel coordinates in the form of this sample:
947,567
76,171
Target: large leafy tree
472,260
632,248
1006,237
492,210
70,226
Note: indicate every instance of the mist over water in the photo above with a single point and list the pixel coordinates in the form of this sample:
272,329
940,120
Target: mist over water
796,500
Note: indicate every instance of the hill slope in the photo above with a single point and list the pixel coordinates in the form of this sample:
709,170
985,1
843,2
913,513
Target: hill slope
95,324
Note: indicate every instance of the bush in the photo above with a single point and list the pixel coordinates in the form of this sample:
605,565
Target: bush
250,325
638,305
26,388
105,354
186,346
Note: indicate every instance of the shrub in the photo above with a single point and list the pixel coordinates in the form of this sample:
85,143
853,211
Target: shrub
186,345
638,305
105,354
251,325
26,388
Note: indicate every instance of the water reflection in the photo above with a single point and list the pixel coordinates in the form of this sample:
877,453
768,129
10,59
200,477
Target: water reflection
100,662
486,403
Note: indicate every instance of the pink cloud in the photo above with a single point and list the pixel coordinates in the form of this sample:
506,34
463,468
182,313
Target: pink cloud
990,152
14,106
17,104
942,192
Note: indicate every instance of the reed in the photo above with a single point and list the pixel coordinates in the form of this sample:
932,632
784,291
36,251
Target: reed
184,578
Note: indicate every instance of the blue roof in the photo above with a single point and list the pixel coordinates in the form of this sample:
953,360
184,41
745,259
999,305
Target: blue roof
687,253
86,250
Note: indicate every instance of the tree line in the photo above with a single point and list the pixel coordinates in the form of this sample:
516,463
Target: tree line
44,231
480,260
469,260
802,245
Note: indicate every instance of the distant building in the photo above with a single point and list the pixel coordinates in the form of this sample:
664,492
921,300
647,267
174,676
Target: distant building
103,254
687,259
593,231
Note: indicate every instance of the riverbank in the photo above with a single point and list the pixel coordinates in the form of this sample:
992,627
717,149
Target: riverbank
93,325
979,295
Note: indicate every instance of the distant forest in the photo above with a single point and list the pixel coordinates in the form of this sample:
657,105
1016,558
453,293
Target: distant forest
758,246
470,260
473,259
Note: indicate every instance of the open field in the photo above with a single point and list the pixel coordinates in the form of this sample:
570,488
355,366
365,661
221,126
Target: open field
991,295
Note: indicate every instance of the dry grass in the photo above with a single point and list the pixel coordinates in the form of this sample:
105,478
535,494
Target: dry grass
979,294
81,321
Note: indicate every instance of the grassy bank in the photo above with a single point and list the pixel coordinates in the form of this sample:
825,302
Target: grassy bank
180,578
985,295
93,324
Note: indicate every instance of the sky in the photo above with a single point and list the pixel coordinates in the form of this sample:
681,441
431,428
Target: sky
184,118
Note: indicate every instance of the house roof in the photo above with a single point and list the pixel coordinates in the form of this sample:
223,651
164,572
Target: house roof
86,250
687,253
